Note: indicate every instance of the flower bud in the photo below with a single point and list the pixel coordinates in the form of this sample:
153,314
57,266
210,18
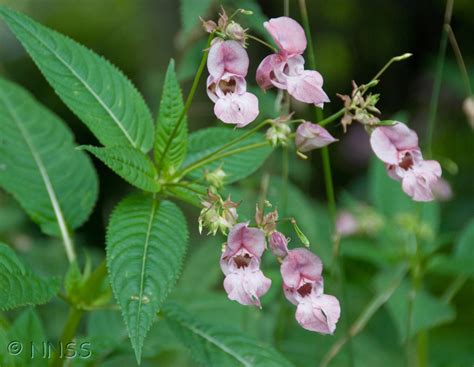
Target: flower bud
236,32
208,25
217,214
278,134
278,244
215,178
311,136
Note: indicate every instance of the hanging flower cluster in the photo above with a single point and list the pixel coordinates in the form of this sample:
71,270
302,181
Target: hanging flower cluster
301,271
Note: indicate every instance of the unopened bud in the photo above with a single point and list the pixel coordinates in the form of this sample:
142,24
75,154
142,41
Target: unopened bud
304,240
235,31
215,178
278,134
278,244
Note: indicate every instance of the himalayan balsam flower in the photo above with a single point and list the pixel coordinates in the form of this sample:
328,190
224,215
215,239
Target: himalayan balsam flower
285,69
311,136
397,147
228,64
240,262
303,286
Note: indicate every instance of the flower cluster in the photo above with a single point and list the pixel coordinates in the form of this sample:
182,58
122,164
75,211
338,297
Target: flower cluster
301,272
397,146
217,214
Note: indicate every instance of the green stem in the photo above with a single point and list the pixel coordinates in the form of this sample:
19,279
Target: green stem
338,261
438,77
68,334
189,99
332,118
369,311
262,42
224,147
216,157
460,60
454,288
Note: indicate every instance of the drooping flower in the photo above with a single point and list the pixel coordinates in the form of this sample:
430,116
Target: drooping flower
311,136
240,262
278,244
303,286
397,147
285,69
228,64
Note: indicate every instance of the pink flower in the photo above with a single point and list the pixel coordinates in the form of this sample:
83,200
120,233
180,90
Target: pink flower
397,147
310,136
228,64
278,244
240,262
442,190
303,286
285,69
346,224
301,270
318,313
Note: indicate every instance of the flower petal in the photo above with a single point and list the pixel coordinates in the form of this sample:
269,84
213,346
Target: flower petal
265,69
241,236
387,141
278,244
287,34
300,263
227,56
319,313
246,286
307,87
311,136
238,109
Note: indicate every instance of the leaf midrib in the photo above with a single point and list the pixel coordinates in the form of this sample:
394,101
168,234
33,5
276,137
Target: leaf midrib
144,261
218,344
85,84
45,177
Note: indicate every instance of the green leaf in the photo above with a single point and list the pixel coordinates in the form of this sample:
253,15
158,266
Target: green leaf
146,243
95,90
465,245
129,163
27,330
428,311
54,183
190,193
236,166
214,345
387,194
20,287
171,140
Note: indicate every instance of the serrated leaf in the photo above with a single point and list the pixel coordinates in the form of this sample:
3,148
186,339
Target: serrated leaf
146,243
18,286
171,140
54,183
214,345
236,166
190,193
28,331
95,90
129,163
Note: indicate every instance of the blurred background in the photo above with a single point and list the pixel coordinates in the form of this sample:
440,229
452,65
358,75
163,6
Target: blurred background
353,39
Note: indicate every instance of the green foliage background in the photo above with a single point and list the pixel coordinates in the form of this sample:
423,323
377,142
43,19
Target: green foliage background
353,38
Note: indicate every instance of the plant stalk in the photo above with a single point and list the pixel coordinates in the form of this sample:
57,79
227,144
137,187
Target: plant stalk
438,77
